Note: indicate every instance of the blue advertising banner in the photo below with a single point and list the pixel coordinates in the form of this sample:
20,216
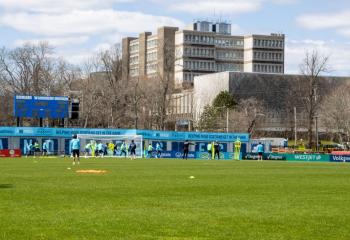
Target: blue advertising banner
24,144
163,145
339,158
266,156
67,147
41,107
4,143
147,134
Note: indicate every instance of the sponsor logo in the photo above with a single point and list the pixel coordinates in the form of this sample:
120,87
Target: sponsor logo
338,158
307,157
178,154
251,156
276,157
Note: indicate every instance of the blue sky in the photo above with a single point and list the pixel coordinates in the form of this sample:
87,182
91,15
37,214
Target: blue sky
78,28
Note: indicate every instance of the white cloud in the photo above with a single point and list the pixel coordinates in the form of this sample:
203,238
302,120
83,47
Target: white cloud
219,6
57,5
85,22
339,21
327,20
222,6
56,42
339,54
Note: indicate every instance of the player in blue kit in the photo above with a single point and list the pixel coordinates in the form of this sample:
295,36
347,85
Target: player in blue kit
75,146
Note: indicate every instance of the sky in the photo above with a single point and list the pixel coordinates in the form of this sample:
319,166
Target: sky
79,28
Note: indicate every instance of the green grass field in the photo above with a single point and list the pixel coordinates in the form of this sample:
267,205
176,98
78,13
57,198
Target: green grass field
157,199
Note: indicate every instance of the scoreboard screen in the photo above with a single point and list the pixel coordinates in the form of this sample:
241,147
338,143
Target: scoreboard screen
41,107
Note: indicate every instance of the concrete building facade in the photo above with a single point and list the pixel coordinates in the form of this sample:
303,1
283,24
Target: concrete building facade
148,55
279,94
206,47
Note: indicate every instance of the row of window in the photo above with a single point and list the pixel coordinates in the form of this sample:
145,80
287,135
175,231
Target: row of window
151,68
222,67
134,59
190,76
269,68
134,71
199,52
200,65
268,55
228,42
152,43
268,43
152,56
199,39
228,55
134,48
219,42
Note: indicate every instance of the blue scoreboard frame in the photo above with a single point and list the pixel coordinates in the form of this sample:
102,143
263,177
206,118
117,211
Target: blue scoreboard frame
41,107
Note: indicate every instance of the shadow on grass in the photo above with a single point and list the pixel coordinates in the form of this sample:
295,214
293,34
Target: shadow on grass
4,186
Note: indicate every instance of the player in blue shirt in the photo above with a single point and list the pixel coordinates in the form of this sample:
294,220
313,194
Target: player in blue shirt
75,146
260,150
159,150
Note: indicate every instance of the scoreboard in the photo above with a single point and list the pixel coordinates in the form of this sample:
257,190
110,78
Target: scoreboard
41,107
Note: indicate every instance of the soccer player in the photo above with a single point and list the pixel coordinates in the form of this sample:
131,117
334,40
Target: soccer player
132,148
111,148
30,148
75,146
87,149
159,150
209,149
36,148
45,148
123,149
216,150
186,149
260,150
100,149
149,150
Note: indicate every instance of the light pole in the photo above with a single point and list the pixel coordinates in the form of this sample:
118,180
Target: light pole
295,126
316,129
227,119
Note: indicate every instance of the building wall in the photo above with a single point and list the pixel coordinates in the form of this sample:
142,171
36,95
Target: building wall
206,88
191,53
278,93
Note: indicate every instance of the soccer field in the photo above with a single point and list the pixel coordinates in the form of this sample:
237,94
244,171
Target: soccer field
157,199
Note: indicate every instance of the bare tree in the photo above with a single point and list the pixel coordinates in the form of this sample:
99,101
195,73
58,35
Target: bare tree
163,85
250,113
313,66
335,112
32,70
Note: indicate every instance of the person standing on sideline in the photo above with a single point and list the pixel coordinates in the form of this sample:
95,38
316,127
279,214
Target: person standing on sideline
186,149
216,150
260,150
132,148
159,150
75,146
209,149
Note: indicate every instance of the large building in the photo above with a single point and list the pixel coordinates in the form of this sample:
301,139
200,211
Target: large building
279,95
205,47
149,55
